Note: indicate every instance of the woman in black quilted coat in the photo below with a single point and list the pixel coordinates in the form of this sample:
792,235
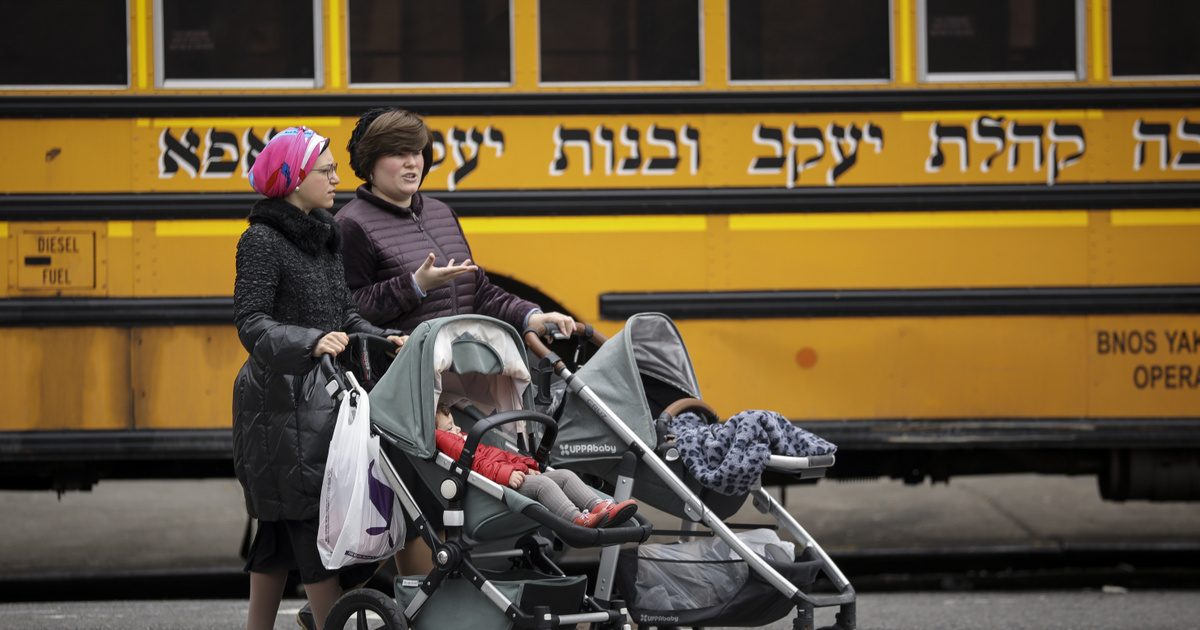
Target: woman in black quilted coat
291,305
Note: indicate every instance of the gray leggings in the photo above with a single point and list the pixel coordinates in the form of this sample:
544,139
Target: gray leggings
561,491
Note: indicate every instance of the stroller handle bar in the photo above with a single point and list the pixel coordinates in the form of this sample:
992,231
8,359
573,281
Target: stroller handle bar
534,341
335,381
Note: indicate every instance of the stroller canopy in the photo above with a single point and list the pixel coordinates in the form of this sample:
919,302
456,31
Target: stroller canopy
647,351
466,356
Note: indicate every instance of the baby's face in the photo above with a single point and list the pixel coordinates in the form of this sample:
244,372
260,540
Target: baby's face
445,421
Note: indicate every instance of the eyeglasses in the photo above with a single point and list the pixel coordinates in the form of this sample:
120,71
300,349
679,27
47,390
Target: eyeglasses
328,171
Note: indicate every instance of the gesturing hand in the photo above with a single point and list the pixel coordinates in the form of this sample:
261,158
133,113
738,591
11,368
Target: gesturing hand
428,276
332,344
516,479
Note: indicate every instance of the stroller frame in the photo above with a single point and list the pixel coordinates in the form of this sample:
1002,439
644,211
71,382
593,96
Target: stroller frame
698,513
454,555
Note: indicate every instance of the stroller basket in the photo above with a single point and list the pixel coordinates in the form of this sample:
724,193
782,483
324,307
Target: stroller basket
458,604
678,585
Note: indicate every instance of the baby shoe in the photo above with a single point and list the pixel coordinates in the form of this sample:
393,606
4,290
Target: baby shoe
620,512
601,506
591,519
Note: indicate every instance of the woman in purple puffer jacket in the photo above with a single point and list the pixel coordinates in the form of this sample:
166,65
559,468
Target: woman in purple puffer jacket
394,242
395,238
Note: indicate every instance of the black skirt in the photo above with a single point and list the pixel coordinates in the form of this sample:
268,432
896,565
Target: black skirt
292,546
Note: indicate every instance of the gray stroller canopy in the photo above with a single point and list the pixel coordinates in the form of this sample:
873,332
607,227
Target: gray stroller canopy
648,345
467,356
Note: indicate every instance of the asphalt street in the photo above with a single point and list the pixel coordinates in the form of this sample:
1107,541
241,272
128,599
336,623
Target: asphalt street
125,528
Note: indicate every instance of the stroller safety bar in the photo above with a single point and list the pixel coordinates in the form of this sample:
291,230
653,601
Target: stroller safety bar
783,463
638,531
541,455
577,536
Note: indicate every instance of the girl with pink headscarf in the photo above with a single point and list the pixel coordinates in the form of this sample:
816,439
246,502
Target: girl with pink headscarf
291,305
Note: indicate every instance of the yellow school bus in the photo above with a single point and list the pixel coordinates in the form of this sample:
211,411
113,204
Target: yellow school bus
955,238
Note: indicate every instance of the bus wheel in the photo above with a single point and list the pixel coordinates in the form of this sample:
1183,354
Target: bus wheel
366,608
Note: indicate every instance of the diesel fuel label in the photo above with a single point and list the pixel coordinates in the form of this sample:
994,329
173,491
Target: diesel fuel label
56,260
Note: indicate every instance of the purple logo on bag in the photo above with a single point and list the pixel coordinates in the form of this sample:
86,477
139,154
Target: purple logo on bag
383,498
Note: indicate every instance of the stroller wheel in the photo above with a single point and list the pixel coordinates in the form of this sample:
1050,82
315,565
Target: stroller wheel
365,608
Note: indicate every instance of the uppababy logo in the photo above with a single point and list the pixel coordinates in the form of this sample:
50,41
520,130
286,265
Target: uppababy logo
586,449
658,619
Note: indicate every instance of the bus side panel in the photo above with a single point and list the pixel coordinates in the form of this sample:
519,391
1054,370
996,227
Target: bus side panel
893,367
65,378
183,376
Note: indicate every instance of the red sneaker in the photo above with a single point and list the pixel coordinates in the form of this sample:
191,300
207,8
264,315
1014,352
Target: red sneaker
620,512
592,519
602,506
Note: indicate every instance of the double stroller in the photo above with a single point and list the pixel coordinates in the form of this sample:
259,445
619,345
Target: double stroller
609,424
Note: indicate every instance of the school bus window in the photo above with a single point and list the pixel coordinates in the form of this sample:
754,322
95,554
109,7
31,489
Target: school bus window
60,42
619,40
450,41
819,40
969,39
1155,38
227,41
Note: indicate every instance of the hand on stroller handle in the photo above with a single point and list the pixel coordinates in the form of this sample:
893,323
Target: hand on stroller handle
535,344
336,382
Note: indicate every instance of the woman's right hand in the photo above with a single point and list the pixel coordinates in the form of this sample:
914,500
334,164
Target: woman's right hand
332,344
428,276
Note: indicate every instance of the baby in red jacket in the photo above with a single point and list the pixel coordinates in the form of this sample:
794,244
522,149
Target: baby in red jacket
559,490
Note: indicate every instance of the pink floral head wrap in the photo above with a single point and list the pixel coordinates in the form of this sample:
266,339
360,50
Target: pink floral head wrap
286,161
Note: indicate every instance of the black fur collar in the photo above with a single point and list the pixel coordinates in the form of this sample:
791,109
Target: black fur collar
310,232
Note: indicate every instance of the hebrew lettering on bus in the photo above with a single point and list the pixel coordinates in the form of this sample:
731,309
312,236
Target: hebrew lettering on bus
1158,135
464,147
219,156
803,148
1051,148
181,153
623,153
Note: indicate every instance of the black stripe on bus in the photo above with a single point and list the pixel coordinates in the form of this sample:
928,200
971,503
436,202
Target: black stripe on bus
115,311
162,206
91,445
691,102
906,302
884,434
897,434
679,305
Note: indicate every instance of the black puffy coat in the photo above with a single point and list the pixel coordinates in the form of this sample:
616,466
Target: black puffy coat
290,291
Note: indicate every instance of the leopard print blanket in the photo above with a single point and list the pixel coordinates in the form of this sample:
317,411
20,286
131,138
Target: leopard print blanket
730,457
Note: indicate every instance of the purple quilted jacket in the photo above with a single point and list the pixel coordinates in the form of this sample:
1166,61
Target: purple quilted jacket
383,244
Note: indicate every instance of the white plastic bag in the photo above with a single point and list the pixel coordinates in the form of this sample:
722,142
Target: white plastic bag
361,518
